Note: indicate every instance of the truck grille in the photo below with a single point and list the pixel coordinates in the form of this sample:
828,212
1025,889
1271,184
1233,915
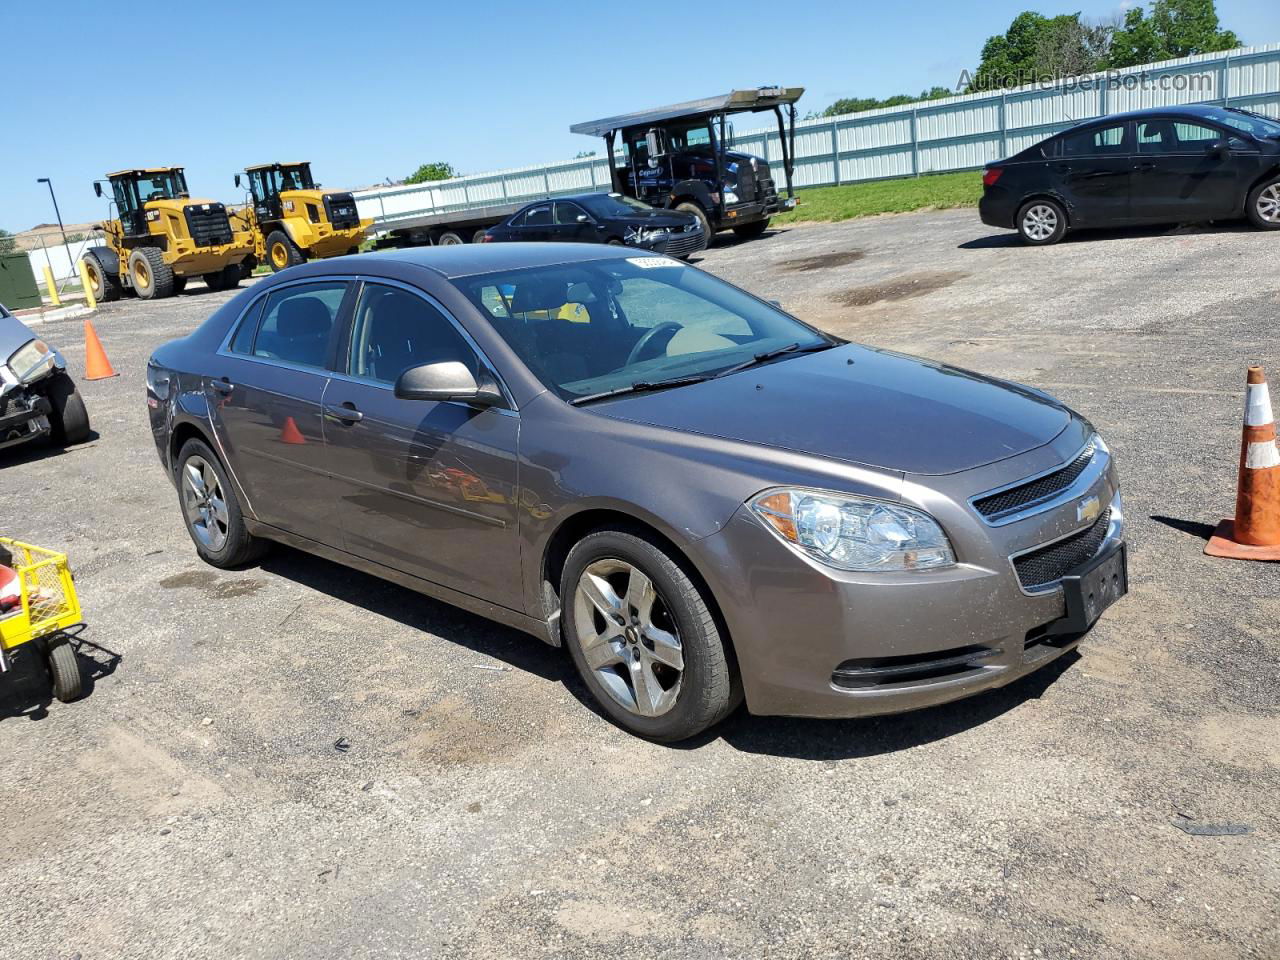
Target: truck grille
685,243
340,208
1038,490
208,224
1049,564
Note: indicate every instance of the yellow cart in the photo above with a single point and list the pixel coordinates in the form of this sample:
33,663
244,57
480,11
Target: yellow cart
48,609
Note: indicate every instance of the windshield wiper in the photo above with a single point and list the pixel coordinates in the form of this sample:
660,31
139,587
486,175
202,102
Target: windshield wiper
640,386
768,355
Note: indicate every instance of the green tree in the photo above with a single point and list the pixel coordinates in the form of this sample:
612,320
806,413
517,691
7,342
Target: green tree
7,242
432,171
858,104
1036,47
1174,28
583,154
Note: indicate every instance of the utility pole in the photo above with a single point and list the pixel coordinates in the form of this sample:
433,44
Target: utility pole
56,213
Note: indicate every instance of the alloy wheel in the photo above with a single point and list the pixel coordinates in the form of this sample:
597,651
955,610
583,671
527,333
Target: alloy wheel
1040,222
203,503
1268,204
628,637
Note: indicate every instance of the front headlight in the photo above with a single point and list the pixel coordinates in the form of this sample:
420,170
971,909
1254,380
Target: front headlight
31,361
855,533
652,233
730,197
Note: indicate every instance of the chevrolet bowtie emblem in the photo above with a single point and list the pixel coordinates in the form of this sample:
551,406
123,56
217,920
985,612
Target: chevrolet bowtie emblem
1088,509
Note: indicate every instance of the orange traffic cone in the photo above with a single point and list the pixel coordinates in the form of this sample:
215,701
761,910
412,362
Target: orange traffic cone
290,433
96,364
1254,534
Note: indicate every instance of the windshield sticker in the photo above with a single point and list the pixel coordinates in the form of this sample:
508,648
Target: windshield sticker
647,263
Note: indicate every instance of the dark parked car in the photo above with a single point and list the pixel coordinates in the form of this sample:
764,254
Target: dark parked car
700,496
38,398
604,218
1169,165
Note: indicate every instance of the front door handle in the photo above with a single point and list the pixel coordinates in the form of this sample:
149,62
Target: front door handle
222,386
346,413
1145,165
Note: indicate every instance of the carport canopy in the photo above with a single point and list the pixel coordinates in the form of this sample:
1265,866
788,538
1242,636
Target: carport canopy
735,101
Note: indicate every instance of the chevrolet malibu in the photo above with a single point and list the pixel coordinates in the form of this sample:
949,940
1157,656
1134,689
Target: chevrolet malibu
704,499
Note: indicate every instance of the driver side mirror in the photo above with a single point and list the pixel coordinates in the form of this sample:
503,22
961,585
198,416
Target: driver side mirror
653,143
1220,148
447,380
97,188
237,179
583,218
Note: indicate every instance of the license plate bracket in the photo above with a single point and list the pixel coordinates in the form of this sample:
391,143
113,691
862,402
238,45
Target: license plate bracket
1091,589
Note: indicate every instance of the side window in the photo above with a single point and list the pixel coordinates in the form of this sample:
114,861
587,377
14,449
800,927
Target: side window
395,330
538,217
1098,141
568,213
242,342
1156,136
1196,138
297,322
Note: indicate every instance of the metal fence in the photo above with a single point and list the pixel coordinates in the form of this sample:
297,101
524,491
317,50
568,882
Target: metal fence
935,136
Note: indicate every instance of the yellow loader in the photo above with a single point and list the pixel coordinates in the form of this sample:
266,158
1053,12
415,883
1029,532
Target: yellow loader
292,220
162,237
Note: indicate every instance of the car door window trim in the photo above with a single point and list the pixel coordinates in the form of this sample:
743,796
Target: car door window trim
224,349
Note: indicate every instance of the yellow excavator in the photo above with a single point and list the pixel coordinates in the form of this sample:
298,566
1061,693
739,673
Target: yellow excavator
292,220
161,237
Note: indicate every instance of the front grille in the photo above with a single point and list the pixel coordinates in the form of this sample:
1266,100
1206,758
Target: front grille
1038,490
208,224
340,208
873,672
683,244
746,182
765,186
1051,563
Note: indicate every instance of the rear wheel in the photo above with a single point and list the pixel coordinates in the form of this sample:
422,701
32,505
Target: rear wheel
105,285
698,212
68,419
151,277
749,231
64,668
1042,222
478,236
247,266
282,252
211,511
449,238
1264,205
228,278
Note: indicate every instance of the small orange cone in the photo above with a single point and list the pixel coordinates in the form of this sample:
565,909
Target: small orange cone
290,433
1254,534
96,364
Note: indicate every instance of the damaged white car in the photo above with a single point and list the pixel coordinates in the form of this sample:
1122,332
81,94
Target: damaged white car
38,398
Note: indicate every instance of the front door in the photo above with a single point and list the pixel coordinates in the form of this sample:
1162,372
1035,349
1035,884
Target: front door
1091,169
573,224
266,403
1180,175
427,488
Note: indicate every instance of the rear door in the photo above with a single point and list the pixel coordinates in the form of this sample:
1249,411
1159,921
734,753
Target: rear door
534,224
1091,169
1180,175
426,488
573,224
266,405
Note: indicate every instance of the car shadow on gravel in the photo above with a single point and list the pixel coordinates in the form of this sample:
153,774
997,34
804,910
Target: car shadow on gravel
33,450
1001,240
802,739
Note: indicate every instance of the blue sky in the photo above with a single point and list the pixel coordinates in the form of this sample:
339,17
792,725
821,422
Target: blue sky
369,91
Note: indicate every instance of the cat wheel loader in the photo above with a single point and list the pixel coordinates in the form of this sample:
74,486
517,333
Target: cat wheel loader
162,237
292,220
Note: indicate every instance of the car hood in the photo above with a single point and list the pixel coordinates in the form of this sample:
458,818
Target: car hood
13,334
658,218
861,405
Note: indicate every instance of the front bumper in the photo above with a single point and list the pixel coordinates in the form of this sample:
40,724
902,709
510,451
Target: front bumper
26,417
813,641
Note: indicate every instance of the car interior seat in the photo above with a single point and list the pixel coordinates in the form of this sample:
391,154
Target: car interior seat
302,332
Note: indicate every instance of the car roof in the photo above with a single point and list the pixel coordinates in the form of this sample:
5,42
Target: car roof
1204,111
461,260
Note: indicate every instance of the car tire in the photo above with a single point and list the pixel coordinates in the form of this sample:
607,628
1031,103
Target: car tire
670,703
1041,222
179,284
68,420
247,266
64,668
221,538
749,231
1263,205
282,252
450,238
697,211
614,242
478,236
106,286
151,277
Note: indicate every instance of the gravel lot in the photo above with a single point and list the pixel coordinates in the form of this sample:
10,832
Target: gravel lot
296,760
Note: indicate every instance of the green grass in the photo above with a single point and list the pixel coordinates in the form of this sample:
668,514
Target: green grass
934,191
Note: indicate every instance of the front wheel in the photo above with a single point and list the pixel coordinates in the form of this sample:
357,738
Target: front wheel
151,277
282,252
105,285
1042,222
749,231
1264,205
211,511
643,638
64,669
68,418
449,238
701,215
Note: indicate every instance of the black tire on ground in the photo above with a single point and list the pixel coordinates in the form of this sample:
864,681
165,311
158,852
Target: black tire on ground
231,276
450,238
352,251
212,280
68,419
64,668
749,231
106,286
478,236
701,214
240,547
710,689
1041,222
282,253
179,284
614,242
247,266
1263,204
150,276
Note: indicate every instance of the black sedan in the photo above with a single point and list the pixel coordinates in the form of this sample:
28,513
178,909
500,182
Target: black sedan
1168,165
603,218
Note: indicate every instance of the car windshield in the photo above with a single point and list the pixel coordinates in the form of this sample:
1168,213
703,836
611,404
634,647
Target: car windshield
1251,123
614,205
609,325
168,185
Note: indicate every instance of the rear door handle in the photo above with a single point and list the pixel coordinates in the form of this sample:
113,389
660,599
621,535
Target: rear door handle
346,413
1145,165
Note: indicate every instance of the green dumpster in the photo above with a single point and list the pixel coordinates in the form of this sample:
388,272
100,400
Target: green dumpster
18,288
